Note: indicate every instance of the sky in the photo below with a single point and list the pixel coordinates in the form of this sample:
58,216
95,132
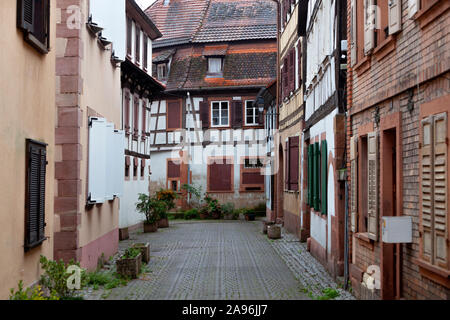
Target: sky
144,3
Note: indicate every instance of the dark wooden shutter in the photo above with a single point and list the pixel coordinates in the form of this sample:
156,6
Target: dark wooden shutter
204,114
136,117
324,176
173,169
144,119
126,116
316,195
286,166
285,77
292,70
129,35
138,44
174,115
353,182
299,64
145,58
220,176
25,14
237,114
35,198
293,163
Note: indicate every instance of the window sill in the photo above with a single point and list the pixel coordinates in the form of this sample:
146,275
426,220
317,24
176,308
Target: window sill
429,14
31,246
434,273
386,47
364,236
210,192
363,65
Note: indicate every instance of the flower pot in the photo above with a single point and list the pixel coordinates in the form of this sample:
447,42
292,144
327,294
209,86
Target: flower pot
250,217
129,267
145,250
274,232
266,224
150,227
163,223
228,216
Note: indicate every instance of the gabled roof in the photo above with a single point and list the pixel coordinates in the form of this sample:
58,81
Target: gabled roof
200,21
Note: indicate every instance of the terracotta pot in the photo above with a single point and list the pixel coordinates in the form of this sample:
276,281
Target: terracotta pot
129,267
150,227
163,223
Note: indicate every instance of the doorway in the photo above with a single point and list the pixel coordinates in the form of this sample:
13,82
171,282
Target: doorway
391,253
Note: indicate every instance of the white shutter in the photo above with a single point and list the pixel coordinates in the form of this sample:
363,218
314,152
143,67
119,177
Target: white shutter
353,183
413,7
427,187
119,162
395,16
440,189
369,25
353,41
97,160
372,178
109,165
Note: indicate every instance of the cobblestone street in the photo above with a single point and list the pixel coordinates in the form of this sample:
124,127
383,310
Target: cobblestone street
223,260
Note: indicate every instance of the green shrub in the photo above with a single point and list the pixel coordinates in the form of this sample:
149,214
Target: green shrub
168,197
55,276
31,294
191,214
260,209
131,253
228,208
151,207
108,280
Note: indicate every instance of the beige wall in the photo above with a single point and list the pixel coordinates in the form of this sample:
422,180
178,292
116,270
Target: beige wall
101,93
27,108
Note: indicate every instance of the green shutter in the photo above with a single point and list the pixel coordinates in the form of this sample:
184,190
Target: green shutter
310,163
316,177
324,175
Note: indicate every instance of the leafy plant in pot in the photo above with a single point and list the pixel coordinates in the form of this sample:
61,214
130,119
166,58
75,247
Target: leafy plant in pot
152,208
250,214
168,197
214,208
228,211
203,212
129,263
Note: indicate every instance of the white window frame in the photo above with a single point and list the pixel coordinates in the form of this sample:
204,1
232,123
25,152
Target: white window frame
220,114
209,65
158,73
255,114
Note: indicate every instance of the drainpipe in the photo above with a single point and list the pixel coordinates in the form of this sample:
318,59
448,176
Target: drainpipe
189,150
346,238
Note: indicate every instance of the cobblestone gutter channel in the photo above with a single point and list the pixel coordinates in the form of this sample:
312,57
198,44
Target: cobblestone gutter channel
226,260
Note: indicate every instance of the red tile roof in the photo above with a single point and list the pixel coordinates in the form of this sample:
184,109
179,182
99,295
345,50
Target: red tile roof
185,21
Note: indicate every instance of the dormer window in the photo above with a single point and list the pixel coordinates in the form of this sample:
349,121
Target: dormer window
215,65
161,69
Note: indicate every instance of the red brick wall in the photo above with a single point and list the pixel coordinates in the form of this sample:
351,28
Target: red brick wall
420,61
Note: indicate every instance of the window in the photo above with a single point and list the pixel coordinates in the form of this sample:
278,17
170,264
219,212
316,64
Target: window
129,36
135,168
292,164
317,195
174,174
35,194
252,178
220,175
126,116
145,66
364,184
251,113
127,166
220,114
161,71
138,44
433,191
144,121
33,17
142,168
136,118
215,65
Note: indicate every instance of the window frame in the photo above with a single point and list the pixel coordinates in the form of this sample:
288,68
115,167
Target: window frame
244,187
170,180
255,114
216,73
158,73
30,35
227,160
211,118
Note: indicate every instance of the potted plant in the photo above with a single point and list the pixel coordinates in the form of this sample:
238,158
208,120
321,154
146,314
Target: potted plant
145,250
250,215
203,213
129,263
228,211
214,208
168,197
163,221
152,208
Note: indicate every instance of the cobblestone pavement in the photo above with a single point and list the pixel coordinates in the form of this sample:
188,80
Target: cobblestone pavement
229,260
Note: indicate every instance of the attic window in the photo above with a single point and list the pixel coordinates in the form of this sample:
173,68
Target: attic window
215,65
162,71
